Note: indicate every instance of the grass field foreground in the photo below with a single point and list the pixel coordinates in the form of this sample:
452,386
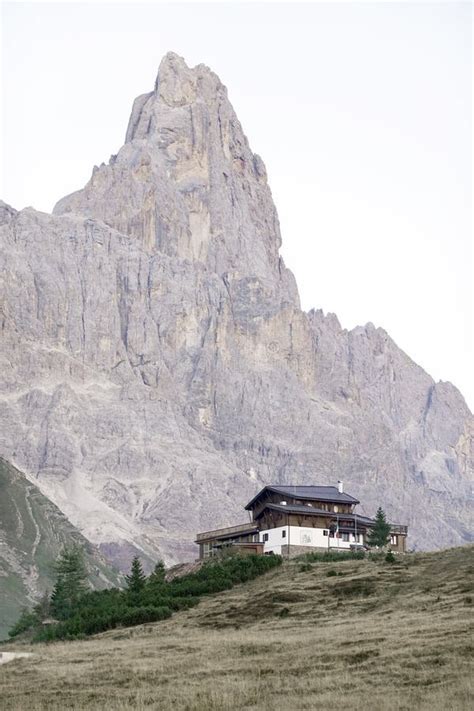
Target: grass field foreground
352,635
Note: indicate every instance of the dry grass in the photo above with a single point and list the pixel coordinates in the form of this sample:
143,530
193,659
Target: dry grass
389,638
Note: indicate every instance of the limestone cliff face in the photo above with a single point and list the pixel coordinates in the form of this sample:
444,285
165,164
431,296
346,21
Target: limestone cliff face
186,184
157,368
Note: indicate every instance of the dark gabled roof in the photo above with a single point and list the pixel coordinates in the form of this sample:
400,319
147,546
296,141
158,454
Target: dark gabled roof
310,493
312,511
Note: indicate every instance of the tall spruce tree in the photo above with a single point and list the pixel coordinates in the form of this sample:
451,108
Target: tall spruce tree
158,575
71,582
137,578
379,535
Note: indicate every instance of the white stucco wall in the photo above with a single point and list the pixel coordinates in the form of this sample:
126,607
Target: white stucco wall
301,536
275,539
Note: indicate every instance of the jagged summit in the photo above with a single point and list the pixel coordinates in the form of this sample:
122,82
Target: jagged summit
187,184
177,84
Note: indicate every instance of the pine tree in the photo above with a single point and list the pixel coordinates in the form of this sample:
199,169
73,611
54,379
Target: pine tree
137,578
71,582
379,535
158,575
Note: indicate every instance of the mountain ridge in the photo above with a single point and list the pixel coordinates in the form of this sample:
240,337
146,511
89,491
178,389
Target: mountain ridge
151,323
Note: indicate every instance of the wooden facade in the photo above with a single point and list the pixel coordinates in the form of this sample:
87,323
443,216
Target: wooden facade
271,497
288,520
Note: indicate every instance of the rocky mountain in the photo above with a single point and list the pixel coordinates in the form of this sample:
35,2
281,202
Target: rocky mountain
32,533
156,366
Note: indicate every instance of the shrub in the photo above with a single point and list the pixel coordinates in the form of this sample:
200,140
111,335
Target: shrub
156,599
26,621
332,556
139,615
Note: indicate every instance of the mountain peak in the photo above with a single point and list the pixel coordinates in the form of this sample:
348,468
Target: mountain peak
187,184
175,82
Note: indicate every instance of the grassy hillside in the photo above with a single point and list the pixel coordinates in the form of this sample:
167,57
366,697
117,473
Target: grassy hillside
32,532
355,635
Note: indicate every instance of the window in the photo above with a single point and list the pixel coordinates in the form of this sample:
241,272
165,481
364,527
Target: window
265,537
325,532
283,533
394,540
345,536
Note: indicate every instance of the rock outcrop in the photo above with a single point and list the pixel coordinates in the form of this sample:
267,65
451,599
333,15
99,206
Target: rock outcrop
156,366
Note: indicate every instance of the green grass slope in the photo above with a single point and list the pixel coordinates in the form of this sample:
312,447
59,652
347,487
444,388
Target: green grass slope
32,532
359,635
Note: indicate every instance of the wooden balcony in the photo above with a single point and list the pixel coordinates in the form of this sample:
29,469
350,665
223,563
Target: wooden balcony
398,528
230,531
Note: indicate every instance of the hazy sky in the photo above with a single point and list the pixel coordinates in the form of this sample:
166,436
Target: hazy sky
361,111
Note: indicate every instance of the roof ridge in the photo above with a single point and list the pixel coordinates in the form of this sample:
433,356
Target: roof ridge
303,486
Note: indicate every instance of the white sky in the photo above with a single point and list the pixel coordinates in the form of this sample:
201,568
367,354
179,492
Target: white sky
361,111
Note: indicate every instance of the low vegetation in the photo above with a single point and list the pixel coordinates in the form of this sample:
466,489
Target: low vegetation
376,636
78,612
32,533
331,556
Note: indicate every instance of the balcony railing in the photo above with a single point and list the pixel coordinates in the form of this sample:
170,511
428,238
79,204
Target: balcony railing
231,530
397,528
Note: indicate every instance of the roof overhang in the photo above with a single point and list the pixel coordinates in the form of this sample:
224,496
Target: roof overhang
322,513
229,532
336,498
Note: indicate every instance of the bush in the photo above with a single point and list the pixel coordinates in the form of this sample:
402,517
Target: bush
219,575
390,558
332,556
181,603
98,611
27,621
140,615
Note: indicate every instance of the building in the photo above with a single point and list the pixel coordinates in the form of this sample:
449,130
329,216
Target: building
290,520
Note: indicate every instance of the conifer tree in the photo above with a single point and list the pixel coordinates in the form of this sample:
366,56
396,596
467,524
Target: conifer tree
379,535
137,578
158,575
71,581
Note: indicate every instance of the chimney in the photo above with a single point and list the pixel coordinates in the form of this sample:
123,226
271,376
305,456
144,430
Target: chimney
340,487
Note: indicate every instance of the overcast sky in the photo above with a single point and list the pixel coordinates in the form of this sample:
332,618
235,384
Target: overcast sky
361,112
